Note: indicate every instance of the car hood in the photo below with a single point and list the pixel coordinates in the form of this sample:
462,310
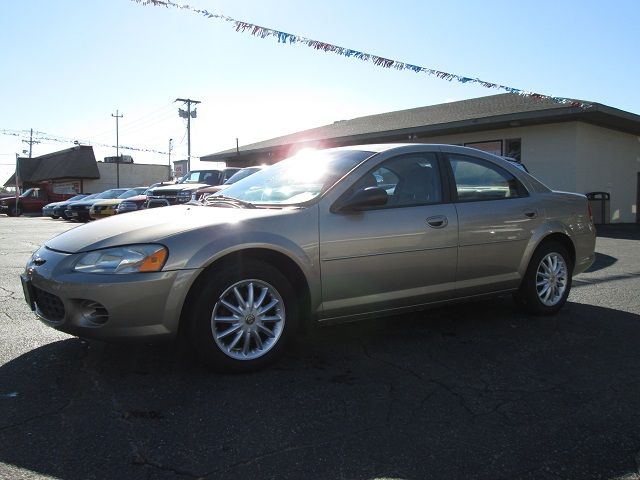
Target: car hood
179,186
214,189
137,198
88,203
107,202
153,225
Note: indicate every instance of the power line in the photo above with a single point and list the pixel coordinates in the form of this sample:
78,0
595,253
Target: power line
50,139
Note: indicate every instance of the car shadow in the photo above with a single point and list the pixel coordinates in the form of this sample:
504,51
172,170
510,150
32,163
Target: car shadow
601,262
478,390
624,231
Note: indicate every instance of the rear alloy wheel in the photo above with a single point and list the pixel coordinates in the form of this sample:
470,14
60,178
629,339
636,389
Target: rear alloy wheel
15,212
243,317
547,283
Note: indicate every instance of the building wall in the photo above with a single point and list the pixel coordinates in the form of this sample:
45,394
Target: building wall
609,162
131,175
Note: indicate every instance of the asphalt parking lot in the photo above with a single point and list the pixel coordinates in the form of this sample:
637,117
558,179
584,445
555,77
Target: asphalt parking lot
478,390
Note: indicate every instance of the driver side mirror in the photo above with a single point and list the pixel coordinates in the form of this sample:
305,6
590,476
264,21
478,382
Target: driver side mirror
361,200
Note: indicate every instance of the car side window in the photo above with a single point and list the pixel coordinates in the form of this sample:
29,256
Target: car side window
409,180
477,179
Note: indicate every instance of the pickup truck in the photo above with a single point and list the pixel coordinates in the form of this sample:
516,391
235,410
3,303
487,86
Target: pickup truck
181,191
31,201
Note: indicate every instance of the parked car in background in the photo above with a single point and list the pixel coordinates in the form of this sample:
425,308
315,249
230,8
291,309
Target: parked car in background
181,191
59,210
202,193
106,208
137,202
48,209
80,210
31,201
327,236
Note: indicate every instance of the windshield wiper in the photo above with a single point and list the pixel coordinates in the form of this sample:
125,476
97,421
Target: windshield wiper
223,199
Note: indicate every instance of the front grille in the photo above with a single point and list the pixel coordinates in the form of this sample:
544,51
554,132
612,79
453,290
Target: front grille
49,305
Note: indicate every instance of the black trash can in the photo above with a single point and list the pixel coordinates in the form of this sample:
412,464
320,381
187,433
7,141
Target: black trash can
600,208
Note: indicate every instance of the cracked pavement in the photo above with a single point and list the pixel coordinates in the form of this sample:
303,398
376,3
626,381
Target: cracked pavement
478,390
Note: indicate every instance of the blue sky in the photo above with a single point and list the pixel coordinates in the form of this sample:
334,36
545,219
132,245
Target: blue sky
67,65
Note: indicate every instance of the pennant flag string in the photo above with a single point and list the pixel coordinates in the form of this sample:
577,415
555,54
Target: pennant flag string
288,38
54,138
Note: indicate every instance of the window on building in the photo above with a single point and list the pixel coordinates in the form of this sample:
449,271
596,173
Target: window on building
513,148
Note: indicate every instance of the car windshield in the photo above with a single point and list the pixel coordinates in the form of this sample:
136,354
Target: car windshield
297,179
89,197
133,192
244,173
76,198
201,176
113,193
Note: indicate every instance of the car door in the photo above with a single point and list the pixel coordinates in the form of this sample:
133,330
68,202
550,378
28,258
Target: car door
401,254
496,216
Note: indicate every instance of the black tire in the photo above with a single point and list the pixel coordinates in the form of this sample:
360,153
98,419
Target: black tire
245,325
15,212
557,286
55,217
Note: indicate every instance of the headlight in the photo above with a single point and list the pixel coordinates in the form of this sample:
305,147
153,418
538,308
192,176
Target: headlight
126,259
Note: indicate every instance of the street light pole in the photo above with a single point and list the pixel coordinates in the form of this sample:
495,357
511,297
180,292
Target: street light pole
188,114
117,149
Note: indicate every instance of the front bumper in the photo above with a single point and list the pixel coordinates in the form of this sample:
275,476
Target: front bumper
142,306
80,215
97,214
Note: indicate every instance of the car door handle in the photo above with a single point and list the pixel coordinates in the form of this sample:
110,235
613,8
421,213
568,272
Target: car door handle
439,221
531,213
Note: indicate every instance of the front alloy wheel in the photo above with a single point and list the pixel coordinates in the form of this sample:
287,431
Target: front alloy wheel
243,315
248,319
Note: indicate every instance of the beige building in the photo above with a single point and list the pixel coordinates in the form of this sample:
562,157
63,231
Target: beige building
580,148
131,175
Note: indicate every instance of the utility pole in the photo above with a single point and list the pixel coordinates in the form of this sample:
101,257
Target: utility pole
31,141
170,148
188,115
17,182
117,149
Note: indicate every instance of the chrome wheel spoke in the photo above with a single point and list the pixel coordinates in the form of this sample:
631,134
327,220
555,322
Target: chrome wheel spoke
271,304
229,331
263,295
236,339
266,331
247,342
231,307
257,339
241,302
250,296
